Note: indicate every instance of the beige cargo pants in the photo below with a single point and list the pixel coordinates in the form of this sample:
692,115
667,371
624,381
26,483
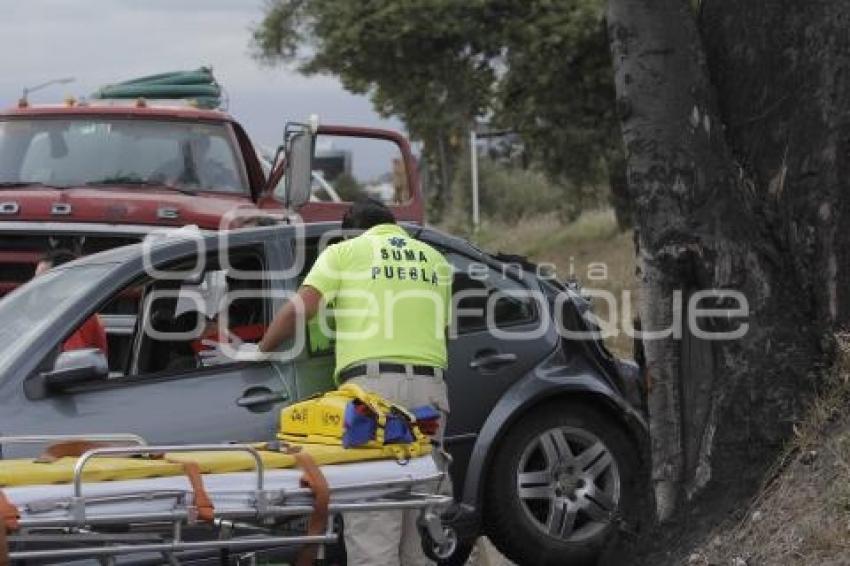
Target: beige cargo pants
390,538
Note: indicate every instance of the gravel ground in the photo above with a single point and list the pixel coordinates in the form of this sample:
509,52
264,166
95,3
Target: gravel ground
485,554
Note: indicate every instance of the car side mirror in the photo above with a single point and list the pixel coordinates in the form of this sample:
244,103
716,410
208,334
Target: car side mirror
76,367
300,143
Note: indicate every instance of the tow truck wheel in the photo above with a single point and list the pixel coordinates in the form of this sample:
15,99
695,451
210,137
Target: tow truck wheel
563,482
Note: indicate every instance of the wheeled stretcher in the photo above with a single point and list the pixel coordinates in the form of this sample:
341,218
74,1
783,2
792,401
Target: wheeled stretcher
155,504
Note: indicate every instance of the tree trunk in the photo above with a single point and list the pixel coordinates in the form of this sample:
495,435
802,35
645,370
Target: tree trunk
445,174
782,71
620,198
706,220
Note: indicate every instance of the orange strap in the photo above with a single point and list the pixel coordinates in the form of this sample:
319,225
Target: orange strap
75,448
206,511
203,503
4,546
318,523
9,516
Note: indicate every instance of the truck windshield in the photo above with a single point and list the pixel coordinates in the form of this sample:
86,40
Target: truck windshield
30,309
190,156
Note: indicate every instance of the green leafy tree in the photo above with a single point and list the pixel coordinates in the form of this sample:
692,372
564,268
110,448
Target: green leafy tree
557,91
539,67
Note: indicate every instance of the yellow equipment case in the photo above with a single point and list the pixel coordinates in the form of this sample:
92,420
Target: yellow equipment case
350,416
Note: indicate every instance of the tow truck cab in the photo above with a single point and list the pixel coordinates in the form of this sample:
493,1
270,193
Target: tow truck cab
137,163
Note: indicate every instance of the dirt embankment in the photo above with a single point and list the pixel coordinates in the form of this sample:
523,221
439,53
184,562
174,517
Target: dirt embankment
801,516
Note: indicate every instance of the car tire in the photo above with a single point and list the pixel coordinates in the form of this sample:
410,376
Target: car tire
562,481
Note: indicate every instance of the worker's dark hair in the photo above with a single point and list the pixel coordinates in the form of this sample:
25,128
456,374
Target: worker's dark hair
365,213
57,257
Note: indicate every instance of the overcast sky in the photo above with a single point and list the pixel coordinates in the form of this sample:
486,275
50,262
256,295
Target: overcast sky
106,41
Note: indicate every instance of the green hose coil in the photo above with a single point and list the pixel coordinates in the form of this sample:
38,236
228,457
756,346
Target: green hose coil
198,86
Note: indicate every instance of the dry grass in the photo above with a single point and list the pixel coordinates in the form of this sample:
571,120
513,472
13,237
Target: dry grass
578,249
802,515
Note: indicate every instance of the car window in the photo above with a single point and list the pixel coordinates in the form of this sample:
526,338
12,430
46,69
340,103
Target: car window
118,318
27,311
484,297
351,167
178,316
157,325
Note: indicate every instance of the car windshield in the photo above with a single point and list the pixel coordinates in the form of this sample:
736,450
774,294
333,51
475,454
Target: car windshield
190,156
30,309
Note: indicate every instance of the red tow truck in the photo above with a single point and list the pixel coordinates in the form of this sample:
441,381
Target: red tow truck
142,164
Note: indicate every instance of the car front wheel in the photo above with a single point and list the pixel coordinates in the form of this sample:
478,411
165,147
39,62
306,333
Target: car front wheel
560,482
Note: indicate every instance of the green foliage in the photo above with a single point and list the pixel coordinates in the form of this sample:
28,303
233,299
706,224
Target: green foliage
510,193
539,67
347,187
415,59
558,92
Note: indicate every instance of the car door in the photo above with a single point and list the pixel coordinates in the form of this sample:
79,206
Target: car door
169,402
499,333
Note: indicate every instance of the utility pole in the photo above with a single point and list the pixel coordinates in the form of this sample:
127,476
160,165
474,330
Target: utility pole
473,156
479,130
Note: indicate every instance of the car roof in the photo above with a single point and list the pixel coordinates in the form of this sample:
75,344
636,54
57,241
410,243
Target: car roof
211,240
116,111
164,238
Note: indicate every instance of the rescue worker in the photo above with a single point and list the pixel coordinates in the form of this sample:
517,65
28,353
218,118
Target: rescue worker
391,297
91,334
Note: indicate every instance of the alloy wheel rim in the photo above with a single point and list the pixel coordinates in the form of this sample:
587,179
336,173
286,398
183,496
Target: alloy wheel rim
568,484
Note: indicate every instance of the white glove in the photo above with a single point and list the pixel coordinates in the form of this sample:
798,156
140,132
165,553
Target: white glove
227,353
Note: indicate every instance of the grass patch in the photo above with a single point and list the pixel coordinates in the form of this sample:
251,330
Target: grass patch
548,234
802,514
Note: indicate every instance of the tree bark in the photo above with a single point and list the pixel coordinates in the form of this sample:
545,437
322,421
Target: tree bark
705,220
620,199
781,71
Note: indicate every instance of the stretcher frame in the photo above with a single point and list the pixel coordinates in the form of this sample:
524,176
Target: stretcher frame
162,533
